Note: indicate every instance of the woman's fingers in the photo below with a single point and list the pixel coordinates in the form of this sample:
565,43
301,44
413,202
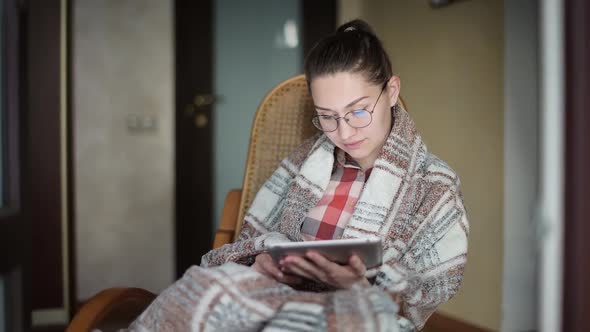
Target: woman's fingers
317,267
330,269
342,276
357,265
265,265
305,268
320,260
293,269
290,279
273,270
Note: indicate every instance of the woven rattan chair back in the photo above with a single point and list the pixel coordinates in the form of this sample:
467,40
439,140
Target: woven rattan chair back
282,122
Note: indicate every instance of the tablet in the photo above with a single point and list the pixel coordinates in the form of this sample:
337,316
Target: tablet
369,250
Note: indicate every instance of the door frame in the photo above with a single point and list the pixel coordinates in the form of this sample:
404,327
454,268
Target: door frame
193,67
47,141
576,290
15,246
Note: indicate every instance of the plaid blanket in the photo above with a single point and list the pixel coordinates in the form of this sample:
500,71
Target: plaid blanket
412,201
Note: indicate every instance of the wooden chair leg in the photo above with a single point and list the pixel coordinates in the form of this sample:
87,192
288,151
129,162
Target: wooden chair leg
111,309
229,219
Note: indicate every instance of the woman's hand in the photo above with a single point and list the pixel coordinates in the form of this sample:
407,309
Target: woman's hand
266,266
316,267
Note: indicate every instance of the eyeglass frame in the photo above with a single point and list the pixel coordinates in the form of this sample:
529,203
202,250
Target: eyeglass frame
345,115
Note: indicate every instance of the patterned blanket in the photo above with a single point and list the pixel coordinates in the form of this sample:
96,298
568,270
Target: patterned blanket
412,201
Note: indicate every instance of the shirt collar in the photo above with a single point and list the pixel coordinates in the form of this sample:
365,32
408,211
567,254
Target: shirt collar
345,160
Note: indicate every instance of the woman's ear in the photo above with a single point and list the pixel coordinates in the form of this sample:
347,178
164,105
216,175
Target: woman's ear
393,86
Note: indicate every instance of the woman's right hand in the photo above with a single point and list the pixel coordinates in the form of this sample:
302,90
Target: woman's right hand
267,266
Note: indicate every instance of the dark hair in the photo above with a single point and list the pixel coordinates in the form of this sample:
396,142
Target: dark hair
355,48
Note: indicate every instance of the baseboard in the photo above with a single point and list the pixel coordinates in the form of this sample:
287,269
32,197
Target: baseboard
439,322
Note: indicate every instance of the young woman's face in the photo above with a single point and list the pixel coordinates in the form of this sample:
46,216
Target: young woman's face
341,93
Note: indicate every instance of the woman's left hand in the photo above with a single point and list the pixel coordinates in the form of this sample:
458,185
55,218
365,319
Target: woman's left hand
316,267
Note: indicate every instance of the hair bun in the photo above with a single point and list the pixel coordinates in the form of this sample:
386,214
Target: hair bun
353,48
356,25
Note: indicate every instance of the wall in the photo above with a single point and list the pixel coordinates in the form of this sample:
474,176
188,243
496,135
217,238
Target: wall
450,61
123,67
521,170
254,50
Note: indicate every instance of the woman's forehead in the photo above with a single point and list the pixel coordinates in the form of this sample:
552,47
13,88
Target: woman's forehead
339,90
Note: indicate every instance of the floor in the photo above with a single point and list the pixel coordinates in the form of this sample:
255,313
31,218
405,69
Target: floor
53,328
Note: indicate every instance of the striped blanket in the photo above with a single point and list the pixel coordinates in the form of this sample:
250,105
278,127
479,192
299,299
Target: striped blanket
412,201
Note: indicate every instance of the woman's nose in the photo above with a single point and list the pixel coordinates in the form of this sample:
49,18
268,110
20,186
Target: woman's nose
345,130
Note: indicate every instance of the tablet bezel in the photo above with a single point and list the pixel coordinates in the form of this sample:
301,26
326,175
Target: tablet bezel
370,250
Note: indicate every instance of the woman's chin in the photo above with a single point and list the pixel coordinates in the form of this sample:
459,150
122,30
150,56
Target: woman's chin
357,155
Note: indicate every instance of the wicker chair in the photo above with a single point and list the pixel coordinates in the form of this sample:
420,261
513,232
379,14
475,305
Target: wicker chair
282,122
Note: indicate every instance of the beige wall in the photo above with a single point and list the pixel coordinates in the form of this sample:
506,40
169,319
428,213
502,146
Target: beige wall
122,67
450,61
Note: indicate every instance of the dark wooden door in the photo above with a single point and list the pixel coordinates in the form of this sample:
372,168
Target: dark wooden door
15,245
194,102
193,138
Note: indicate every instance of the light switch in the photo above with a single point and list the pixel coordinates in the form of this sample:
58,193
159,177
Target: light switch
139,124
132,122
148,122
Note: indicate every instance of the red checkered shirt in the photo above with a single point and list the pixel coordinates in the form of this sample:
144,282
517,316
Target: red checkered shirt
327,220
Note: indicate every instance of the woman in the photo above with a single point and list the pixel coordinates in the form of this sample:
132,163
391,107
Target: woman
367,173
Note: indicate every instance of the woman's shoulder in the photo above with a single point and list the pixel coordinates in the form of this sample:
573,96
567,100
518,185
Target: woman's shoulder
434,169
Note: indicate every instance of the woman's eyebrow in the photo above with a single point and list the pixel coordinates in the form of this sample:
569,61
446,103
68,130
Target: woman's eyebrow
349,104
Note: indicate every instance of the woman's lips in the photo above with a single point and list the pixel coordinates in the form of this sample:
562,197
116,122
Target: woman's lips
354,145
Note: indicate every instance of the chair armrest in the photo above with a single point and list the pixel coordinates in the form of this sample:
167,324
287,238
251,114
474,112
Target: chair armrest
229,218
111,309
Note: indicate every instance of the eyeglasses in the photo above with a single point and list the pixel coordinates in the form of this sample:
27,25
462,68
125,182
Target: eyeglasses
356,119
